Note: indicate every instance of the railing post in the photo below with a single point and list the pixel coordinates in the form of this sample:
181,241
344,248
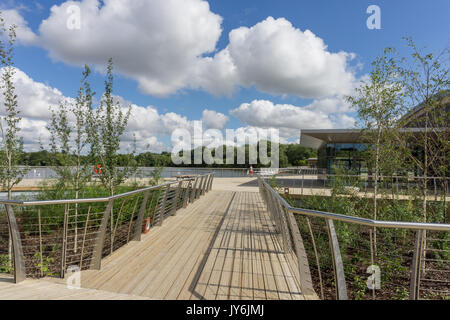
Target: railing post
140,218
414,285
339,275
303,265
194,186
208,184
199,189
98,249
163,205
211,182
186,194
176,199
313,242
205,183
19,260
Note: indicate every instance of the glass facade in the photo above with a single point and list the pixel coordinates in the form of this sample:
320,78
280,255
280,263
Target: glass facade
349,156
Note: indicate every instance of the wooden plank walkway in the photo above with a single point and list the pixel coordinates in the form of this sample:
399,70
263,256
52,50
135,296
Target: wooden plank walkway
222,246
49,290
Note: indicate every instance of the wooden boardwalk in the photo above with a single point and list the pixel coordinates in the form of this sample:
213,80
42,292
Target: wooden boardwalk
45,289
222,246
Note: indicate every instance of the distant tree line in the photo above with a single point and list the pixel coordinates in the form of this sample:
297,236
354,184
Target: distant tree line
290,155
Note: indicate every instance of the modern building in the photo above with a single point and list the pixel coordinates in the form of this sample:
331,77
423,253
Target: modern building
336,147
345,147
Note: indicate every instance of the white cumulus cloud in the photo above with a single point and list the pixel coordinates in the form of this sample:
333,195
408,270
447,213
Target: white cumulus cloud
278,58
156,42
24,34
170,45
214,120
320,114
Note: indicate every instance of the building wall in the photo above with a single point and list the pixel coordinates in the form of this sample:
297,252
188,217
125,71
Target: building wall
349,156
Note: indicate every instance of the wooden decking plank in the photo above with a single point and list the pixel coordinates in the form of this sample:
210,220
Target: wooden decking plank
195,286
185,278
204,287
259,290
269,276
154,248
159,286
116,263
224,284
212,292
234,292
279,275
246,265
153,264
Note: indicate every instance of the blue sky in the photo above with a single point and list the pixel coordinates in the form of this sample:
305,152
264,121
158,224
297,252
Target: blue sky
341,26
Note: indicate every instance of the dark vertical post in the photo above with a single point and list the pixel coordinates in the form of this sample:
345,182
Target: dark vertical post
163,205
194,186
211,182
98,249
176,199
19,260
140,217
205,183
186,194
199,189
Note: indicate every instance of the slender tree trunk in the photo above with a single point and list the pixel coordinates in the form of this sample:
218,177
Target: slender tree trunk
425,191
111,192
77,187
75,247
375,189
10,248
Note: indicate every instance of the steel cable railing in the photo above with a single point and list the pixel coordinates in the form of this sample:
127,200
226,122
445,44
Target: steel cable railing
49,236
349,257
397,187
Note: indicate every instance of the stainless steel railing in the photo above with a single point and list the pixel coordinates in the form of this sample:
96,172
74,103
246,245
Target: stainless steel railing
46,237
390,186
348,257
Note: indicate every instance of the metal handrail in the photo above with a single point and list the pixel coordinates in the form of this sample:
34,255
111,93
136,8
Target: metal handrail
89,200
275,202
361,221
373,223
165,205
358,220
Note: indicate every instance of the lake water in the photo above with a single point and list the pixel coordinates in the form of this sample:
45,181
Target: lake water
47,172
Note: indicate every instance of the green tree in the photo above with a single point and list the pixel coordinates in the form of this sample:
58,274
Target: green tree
11,148
11,144
378,104
425,77
68,142
106,126
298,154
